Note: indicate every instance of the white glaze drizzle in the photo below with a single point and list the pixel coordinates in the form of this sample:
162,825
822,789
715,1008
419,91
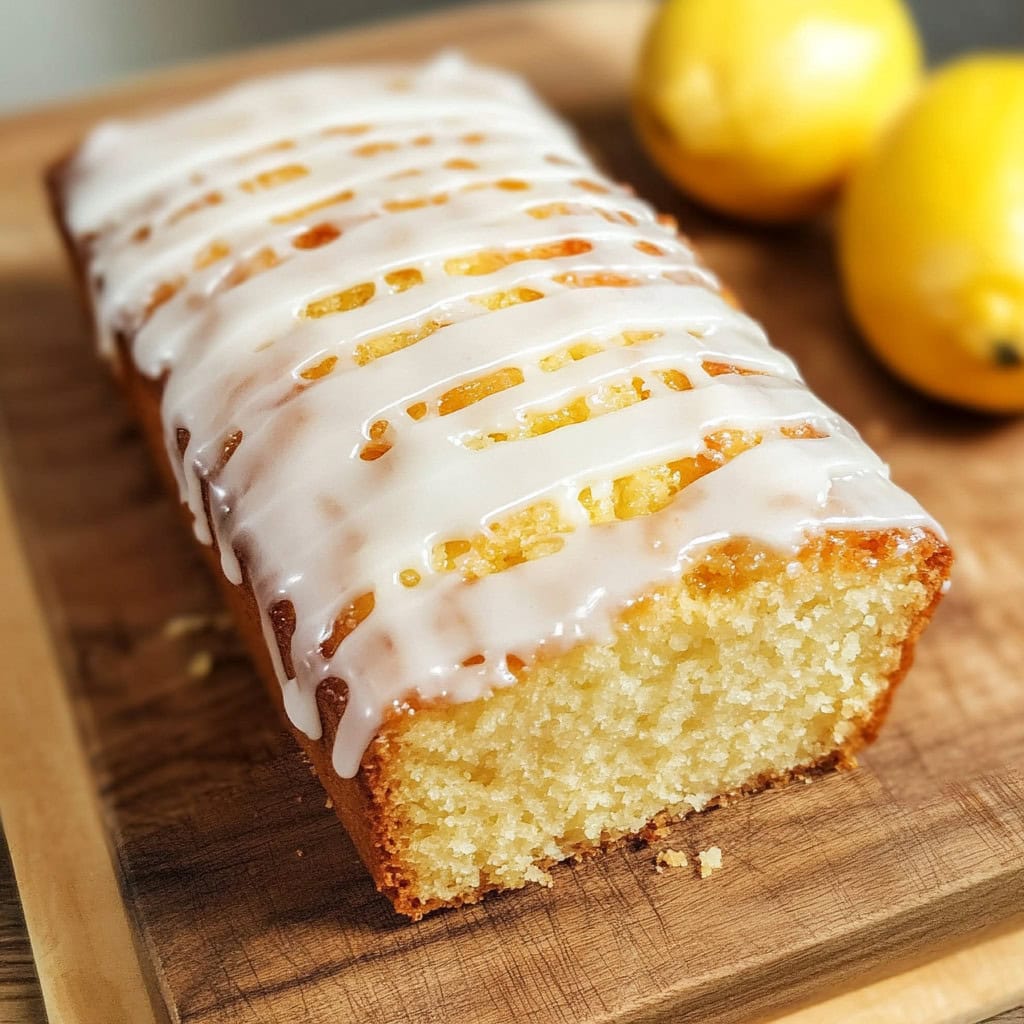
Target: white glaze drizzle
318,525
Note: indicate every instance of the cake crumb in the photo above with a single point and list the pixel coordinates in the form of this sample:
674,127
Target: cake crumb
653,831
196,622
200,665
670,859
536,874
330,804
710,861
298,853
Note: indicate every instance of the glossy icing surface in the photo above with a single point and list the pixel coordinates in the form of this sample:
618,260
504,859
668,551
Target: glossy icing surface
393,308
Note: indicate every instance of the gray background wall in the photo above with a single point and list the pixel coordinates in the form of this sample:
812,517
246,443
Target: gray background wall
53,48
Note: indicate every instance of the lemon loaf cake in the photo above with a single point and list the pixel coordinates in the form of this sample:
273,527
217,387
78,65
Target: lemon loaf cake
534,536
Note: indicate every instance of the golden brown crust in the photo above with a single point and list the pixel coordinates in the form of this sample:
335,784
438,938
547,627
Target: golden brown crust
362,803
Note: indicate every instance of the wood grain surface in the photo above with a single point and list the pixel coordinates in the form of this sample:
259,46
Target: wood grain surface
247,899
83,945
21,1001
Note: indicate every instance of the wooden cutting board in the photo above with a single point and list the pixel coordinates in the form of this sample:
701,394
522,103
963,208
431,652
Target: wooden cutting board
242,898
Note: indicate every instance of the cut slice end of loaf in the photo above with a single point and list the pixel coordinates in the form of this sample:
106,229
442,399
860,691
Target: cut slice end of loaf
752,669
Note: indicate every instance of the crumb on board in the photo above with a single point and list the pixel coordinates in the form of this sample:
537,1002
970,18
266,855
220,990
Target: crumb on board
653,831
195,622
536,874
298,853
670,859
200,665
710,861
330,804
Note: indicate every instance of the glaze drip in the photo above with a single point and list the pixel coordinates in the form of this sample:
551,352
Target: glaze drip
396,308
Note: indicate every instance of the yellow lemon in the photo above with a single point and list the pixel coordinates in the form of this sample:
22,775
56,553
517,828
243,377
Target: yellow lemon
761,107
931,238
